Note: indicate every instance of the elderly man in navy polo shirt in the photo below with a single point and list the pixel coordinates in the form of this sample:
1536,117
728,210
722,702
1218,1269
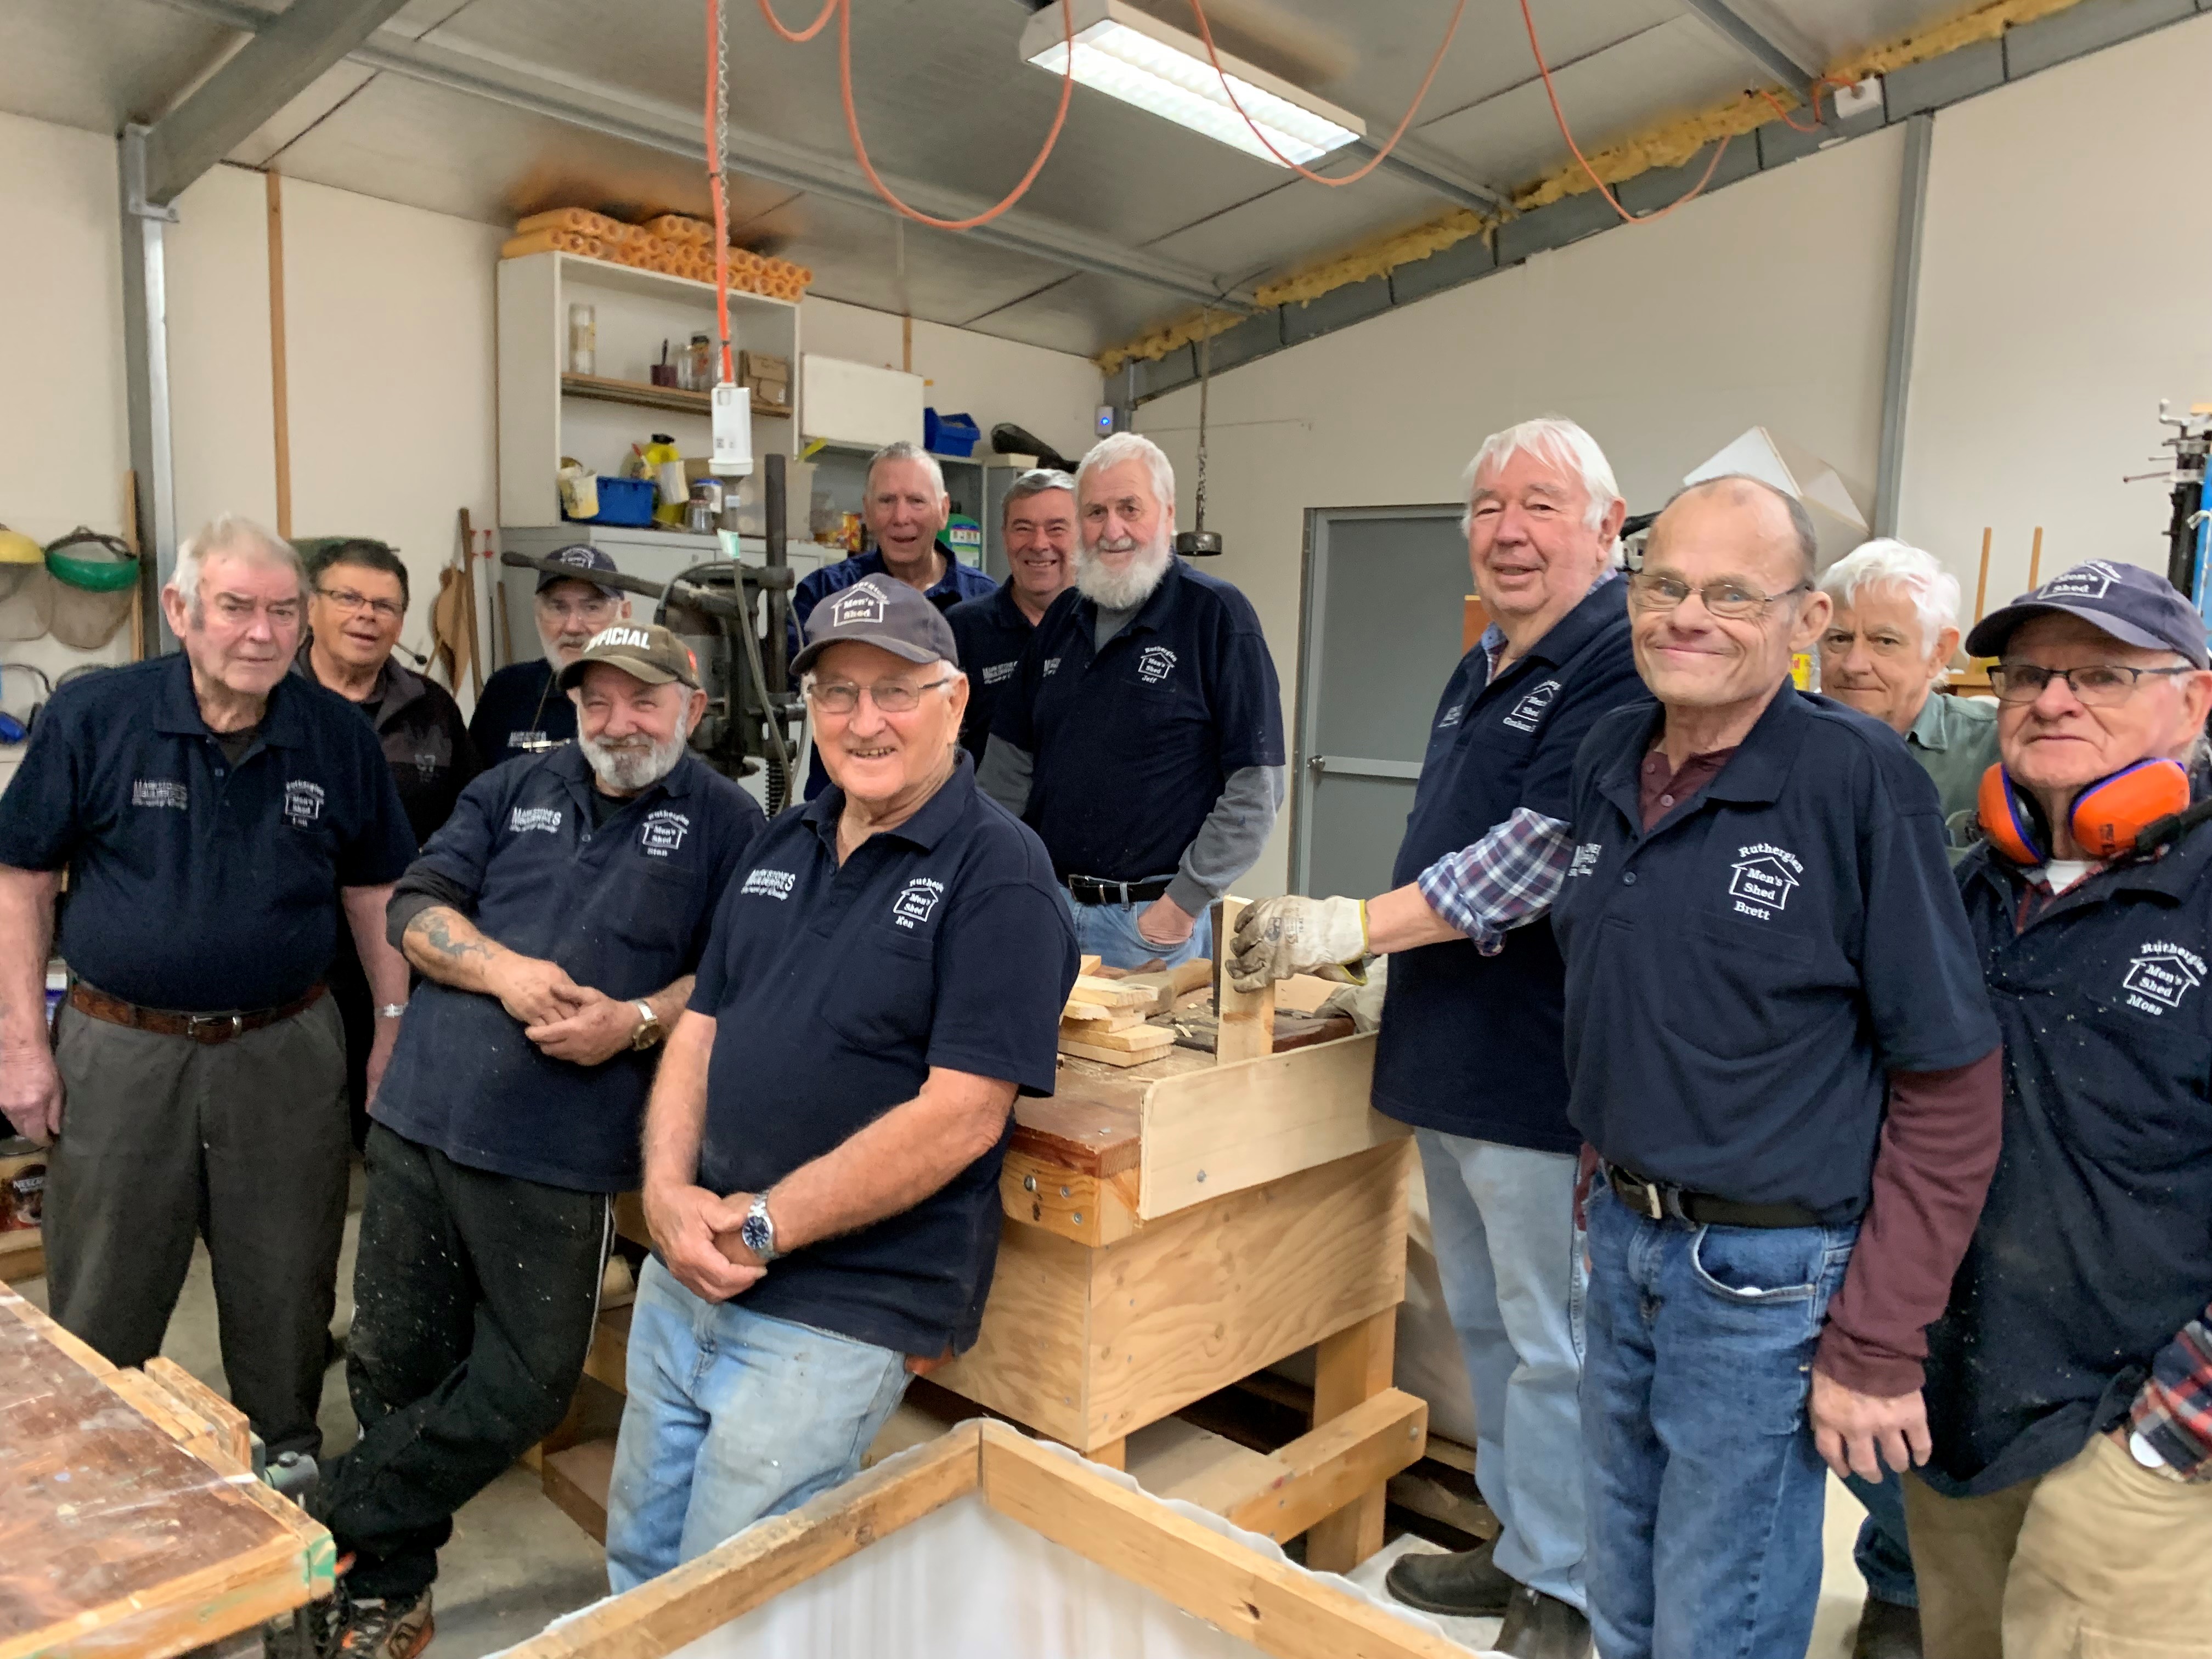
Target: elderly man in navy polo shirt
823,1146
221,818
1142,737
1470,1047
2068,1507
557,919
1038,521
1778,1043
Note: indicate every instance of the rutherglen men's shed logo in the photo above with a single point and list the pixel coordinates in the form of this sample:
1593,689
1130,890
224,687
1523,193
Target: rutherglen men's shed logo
2160,976
1154,663
916,901
303,804
855,606
663,833
2091,580
1525,714
1763,879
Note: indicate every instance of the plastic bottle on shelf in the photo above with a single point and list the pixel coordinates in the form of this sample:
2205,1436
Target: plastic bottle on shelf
583,339
667,465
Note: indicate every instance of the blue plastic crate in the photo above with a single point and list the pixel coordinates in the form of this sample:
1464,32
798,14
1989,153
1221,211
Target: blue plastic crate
949,435
626,502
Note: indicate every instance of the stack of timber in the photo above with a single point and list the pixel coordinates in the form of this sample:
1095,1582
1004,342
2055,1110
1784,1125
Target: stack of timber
1105,1021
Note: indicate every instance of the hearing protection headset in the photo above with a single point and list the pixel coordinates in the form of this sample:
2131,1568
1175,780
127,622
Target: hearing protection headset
2137,809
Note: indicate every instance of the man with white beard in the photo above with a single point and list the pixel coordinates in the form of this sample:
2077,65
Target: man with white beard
520,710
1142,737
557,919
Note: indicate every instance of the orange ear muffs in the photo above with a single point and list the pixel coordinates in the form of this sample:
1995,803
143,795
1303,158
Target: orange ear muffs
2014,823
2109,815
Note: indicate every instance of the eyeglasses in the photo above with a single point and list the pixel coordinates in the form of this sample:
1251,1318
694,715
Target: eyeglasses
1729,600
349,601
891,697
2099,685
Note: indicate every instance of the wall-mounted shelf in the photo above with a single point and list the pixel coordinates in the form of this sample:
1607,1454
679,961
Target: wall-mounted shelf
601,389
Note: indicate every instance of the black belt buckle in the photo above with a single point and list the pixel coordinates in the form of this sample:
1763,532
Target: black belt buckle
1092,889
1647,1196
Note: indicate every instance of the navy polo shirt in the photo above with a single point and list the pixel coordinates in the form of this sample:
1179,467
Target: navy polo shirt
2095,1245
1742,978
625,907
520,702
1134,745
835,989
993,633
195,886
1470,1044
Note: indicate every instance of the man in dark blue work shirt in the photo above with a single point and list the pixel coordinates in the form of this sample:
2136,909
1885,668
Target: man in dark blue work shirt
521,710
1142,738
2068,1506
221,819
1778,1040
557,919
1038,529
823,1143
1470,1048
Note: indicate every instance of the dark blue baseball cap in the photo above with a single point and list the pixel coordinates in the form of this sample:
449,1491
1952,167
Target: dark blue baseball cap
586,558
884,612
2135,606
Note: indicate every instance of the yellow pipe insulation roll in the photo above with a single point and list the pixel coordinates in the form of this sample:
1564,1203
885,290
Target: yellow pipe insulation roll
551,241
582,221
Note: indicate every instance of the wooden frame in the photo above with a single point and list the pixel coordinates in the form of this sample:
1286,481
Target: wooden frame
1279,1608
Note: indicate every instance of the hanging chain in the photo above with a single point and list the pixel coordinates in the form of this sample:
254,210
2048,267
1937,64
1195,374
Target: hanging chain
1204,384
725,368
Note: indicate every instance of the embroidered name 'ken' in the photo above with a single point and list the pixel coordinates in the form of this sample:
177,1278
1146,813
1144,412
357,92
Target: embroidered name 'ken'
916,901
1762,879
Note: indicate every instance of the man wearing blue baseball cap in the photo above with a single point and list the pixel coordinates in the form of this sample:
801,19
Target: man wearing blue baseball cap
521,711
2067,1508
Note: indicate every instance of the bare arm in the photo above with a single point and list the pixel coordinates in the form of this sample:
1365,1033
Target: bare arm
30,1087
383,967
447,946
1401,918
683,1216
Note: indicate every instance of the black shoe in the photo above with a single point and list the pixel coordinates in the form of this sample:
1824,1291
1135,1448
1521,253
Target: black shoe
1886,1631
1541,1626
1463,1585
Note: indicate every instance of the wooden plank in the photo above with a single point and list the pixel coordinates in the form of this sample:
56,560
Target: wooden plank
734,1577
1348,1458
1351,1368
1205,1133
1105,1056
576,1477
1247,1017
1092,1136
608,1357
1136,1038
1278,1608
1090,1209
1029,1360
1191,1303
23,1255
1085,966
1109,993
232,1443
1198,1029
1301,993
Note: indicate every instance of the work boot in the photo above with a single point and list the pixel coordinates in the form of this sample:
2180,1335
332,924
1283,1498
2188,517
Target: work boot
1886,1631
1466,1584
1541,1626
396,1627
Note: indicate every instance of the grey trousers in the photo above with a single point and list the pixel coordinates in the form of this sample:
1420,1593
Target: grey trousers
243,1143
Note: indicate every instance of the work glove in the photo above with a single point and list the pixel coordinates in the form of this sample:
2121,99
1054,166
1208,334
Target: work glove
1361,1004
1279,937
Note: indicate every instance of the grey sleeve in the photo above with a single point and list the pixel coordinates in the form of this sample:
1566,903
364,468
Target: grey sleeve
418,890
1004,774
1228,843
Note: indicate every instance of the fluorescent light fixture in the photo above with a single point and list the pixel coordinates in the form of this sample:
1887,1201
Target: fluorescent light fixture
1121,52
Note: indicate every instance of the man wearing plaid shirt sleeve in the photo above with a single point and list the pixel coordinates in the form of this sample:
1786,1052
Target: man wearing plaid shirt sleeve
1471,1050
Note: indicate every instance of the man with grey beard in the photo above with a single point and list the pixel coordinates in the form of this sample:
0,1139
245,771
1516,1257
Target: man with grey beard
557,919
1142,737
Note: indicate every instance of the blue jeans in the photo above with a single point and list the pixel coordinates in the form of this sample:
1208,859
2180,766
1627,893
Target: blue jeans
1883,1560
732,1417
1705,1493
1108,931
1512,1262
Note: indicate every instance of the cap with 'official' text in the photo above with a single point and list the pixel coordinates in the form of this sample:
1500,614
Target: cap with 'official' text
644,651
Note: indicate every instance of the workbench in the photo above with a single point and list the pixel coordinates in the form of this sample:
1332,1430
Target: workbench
130,1521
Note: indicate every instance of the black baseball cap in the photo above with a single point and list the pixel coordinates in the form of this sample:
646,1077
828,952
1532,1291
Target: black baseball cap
2135,606
644,651
884,612
584,556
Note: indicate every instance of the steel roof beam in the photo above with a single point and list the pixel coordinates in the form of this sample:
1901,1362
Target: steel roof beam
1766,40
1434,171
674,130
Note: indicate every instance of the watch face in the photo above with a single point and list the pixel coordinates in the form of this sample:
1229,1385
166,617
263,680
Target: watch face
755,1232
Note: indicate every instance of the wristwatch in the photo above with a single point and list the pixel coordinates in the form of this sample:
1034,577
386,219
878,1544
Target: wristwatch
757,1231
391,1010
650,1030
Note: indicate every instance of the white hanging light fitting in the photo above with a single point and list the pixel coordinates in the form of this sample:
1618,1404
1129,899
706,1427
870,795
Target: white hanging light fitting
1120,51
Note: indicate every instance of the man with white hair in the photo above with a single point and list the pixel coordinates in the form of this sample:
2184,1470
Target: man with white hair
557,919
1887,647
221,818
522,711
1142,737
1470,1052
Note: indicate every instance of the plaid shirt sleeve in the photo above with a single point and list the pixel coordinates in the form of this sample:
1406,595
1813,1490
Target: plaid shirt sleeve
2173,1412
1506,880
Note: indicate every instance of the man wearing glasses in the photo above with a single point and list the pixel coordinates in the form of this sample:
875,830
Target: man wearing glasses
521,711
223,821
2068,1506
357,600
1778,1043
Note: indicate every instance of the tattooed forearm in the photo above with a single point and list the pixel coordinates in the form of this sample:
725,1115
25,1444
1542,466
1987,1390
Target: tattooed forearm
446,945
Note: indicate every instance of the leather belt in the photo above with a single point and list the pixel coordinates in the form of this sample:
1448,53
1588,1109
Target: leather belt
1091,889
1662,1201
205,1029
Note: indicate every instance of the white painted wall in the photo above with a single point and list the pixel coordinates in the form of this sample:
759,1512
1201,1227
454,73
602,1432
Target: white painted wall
1766,303
2061,296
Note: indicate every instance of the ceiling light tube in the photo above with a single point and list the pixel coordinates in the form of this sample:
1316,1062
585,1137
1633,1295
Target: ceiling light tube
1121,52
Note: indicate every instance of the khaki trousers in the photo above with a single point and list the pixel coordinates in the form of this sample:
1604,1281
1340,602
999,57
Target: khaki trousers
2100,1558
